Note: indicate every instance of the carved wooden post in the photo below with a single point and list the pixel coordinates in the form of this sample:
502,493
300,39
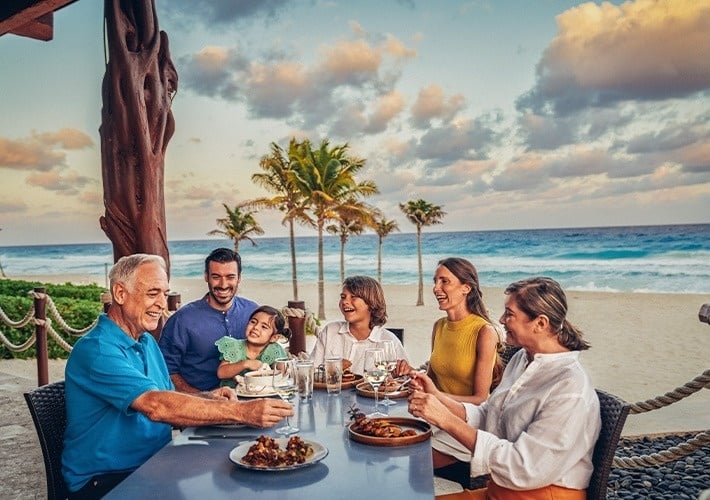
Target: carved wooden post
297,343
174,301
40,305
136,125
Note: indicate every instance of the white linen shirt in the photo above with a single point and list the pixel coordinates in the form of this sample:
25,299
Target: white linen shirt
335,339
539,426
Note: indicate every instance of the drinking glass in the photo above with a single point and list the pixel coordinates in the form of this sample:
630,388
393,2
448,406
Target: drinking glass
375,374
390,358
334,374
305,372
284,381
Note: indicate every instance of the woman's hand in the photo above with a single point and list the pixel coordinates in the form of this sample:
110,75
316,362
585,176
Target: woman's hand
429,407
422,382
402,368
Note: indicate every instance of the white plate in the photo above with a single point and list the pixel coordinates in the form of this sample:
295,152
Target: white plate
319,453
266,393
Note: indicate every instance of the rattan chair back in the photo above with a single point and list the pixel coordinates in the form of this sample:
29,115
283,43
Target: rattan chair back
614,411
48,409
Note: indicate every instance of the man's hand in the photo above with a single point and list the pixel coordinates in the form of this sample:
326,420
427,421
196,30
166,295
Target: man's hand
223,393
264,412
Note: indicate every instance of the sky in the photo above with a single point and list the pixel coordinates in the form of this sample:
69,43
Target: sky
509,114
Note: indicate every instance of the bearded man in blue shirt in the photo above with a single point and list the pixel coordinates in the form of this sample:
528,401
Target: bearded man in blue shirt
189,335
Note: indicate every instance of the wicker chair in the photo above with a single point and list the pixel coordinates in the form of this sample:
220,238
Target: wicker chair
506,352
48,409
398,332
614,411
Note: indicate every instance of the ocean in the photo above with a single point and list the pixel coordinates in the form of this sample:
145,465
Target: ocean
664,259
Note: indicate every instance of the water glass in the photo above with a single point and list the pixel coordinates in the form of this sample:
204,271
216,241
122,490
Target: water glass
305,371
334,374
285,385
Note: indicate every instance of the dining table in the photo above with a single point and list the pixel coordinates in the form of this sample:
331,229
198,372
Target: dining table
196,464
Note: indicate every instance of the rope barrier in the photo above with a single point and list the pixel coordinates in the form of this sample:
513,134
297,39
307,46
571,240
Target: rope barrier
57,338
673,453
699,382
18,348
19,324
58,317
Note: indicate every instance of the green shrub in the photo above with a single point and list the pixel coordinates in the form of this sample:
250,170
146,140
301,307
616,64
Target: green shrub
78,305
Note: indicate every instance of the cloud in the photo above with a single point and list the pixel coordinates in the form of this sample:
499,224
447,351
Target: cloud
462,139
308,96
13,206
40,151
223,13
666,139
66,138
546,132
386,109
68,183
432,104
605,54
215,71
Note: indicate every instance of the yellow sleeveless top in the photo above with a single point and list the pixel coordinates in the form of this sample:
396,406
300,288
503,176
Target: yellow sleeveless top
453,356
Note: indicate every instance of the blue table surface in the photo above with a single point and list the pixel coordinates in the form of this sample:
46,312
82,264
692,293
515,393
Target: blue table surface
187,469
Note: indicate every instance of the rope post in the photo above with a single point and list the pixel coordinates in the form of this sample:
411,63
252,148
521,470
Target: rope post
40,305
106,300
297,343
174,301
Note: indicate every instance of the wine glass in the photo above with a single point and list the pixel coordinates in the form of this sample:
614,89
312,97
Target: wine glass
390,358
375,374
284,381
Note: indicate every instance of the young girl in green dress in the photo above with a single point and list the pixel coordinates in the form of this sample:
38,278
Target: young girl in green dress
260,346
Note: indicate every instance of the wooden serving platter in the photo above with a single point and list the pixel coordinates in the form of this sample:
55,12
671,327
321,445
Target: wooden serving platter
423,432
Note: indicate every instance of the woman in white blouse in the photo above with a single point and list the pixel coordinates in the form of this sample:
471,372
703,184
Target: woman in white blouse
536,432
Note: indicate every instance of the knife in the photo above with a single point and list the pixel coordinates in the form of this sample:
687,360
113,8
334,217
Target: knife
243,437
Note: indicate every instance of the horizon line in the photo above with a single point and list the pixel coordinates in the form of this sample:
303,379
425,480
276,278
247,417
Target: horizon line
401,233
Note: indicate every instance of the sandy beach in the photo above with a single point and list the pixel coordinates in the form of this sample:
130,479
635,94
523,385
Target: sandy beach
643,344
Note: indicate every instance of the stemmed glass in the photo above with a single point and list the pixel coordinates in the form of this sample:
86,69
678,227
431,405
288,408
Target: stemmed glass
375,374
390,364
284,381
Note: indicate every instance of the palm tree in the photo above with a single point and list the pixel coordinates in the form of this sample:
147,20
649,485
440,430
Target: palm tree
353,218
421,213
276,178
383,228
326,177
238,225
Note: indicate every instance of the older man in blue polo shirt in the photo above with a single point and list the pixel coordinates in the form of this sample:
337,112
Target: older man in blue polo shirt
121,403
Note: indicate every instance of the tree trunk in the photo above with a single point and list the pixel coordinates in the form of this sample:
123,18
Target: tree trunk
379,259
420,294
137,123
294,279
343,239
321,291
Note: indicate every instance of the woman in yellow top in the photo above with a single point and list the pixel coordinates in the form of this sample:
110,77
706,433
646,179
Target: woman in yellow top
464,343
464,353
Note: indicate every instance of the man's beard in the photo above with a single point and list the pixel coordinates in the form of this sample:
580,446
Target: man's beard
220,301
